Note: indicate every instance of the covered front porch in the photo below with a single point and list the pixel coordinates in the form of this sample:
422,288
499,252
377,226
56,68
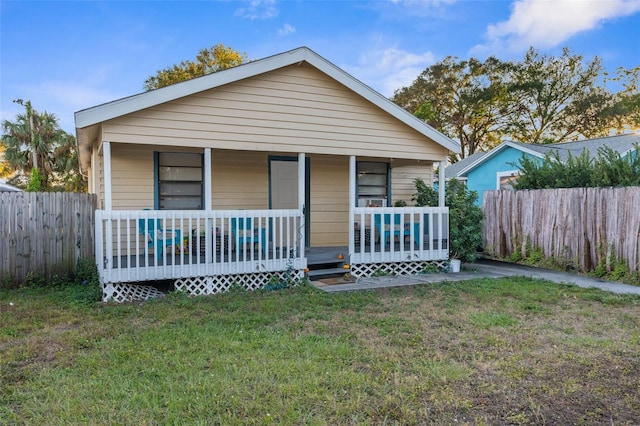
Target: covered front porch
204,252
209,250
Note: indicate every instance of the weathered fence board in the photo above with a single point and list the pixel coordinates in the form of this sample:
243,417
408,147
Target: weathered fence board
579,226
43,234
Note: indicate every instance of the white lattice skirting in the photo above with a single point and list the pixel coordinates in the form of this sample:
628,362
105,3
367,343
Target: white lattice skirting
197,286
127,292
363,270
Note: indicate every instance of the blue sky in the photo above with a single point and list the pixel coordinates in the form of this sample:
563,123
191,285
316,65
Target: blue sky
67,56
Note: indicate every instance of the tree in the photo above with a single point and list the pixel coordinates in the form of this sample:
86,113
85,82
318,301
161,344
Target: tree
463,99
557,99
67,166
540,99
216,58
624,113
5,169
42,155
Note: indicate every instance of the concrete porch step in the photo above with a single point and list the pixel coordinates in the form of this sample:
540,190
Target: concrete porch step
318,273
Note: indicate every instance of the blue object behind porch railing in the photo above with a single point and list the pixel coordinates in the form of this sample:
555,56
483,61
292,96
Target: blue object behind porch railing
245,233
157,237
384,226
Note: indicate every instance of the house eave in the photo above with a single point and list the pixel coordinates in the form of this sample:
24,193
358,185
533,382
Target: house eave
84,144
100,113
494,152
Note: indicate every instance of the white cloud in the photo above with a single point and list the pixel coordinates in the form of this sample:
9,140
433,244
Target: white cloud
286,30
258,9
389,69
423,3
545,23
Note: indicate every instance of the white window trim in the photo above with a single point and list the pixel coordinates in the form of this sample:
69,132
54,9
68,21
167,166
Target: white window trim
508,173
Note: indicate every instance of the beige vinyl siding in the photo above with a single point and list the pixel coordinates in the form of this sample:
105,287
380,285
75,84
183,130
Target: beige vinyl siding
131,177
290,110
329,201
240,180
402,180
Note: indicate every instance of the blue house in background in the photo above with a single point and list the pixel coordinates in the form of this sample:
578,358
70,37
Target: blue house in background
497,169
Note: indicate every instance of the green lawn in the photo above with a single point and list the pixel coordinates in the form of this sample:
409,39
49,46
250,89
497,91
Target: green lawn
512,351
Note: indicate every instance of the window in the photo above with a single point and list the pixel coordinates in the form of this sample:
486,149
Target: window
373,184
505,180
179,181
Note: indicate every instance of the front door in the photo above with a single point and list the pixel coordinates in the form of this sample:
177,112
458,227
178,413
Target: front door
283,187
284,184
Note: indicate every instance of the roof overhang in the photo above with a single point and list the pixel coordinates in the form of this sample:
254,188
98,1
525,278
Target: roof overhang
90,117
495,151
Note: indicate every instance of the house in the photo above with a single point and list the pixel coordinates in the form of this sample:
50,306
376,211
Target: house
497,169
5,187
246,174
452,171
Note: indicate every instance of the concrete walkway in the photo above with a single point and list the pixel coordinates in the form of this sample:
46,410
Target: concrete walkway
482,269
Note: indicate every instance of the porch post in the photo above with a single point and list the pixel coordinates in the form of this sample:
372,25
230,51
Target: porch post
352,202
106,158
301,197
441,183
91,179
207,179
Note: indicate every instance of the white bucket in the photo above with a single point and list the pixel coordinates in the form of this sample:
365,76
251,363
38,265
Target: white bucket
455,265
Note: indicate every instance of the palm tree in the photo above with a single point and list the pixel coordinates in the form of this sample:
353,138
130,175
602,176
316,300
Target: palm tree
34,141
66,163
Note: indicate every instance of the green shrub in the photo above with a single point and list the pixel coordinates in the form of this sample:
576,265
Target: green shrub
516,256
425,195
608,168
380,272
613,170
465,217
535,257
36,181
86,272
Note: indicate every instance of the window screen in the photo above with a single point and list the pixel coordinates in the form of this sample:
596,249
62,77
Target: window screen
179,181
373,184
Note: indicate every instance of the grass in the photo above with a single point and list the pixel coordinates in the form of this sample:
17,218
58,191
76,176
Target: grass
511,351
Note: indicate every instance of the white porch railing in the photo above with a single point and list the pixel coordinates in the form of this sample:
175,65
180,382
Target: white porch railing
196,243
399,234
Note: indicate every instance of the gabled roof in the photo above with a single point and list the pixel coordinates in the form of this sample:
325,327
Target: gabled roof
97,114
5,187
622,144
453,170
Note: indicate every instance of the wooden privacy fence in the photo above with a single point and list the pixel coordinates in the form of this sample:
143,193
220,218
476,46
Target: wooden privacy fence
579,226
43,234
